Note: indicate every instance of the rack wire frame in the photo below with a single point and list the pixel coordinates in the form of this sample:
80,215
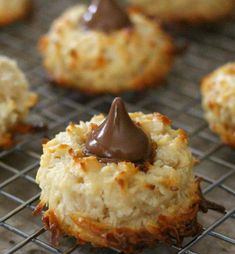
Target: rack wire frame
179,98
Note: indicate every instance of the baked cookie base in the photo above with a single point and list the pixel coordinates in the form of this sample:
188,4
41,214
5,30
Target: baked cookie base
171,230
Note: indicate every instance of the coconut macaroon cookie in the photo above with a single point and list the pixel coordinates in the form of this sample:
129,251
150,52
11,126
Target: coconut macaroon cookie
104,49
15,99
124,182
192,11
218,99
12,10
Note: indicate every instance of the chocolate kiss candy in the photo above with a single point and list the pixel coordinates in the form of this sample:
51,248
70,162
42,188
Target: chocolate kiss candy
118,138
106,16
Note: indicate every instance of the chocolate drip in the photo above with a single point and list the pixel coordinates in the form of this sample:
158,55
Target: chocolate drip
118,138
206,205
106,16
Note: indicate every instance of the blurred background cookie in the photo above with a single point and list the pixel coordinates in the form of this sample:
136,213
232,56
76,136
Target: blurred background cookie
189,11
218,99
108,50
15,99
12,10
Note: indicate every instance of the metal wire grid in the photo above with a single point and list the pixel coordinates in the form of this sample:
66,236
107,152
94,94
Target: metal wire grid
179,99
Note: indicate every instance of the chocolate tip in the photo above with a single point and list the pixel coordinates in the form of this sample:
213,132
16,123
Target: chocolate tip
117,99
118,103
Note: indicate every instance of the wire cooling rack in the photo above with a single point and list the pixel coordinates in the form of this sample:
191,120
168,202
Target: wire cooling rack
179,98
